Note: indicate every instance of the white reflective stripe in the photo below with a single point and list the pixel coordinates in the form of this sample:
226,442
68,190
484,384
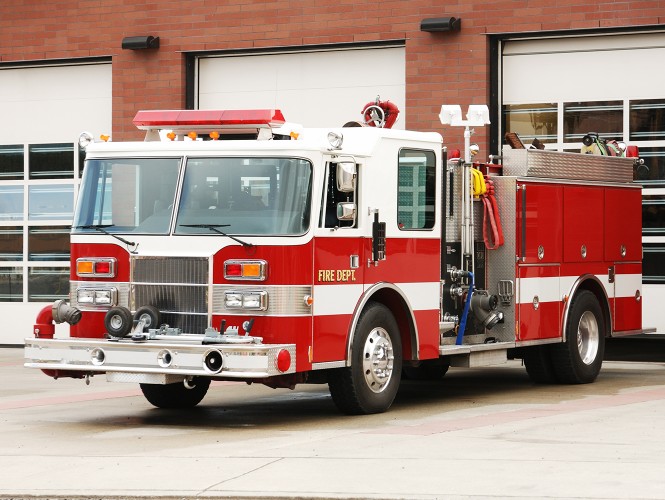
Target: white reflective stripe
342,299
627,284
421,296
336,299
546,289
553,289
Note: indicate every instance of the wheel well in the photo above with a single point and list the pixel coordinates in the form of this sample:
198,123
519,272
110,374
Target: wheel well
594,286
400,310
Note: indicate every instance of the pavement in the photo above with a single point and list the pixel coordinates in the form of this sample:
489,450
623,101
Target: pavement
479,433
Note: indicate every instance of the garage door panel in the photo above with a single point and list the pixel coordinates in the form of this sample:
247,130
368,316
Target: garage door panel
299,83
582,68
55,103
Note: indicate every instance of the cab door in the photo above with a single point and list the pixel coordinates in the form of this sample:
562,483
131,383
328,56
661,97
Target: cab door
338,272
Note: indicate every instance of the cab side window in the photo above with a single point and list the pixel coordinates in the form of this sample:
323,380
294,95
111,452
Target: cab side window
416,188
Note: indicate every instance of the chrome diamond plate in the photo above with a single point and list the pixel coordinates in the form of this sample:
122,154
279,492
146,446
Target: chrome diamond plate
560,165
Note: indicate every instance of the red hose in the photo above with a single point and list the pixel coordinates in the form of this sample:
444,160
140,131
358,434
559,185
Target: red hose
390,112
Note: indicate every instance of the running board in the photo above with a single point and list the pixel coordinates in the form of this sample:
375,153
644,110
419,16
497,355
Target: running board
471,356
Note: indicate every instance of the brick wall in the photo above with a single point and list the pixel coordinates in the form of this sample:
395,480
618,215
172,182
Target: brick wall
441,67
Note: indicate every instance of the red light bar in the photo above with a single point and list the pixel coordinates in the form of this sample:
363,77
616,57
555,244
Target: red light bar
199,120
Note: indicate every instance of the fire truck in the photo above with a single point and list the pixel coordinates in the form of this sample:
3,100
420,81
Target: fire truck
231,245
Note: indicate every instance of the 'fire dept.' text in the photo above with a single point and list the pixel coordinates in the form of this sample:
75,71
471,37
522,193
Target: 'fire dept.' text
332,275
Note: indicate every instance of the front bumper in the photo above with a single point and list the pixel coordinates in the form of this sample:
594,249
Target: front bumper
177,358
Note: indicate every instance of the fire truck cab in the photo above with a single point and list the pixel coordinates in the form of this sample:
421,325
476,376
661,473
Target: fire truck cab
351,256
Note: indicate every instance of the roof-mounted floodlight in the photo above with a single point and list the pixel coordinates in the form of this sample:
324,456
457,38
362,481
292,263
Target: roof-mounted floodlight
451,114
477,116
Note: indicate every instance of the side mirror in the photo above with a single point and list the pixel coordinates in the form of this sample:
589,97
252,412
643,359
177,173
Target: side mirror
346,210
346,176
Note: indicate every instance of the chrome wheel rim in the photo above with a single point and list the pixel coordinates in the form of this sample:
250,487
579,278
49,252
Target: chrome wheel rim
116,321
146,318
378,360
588,338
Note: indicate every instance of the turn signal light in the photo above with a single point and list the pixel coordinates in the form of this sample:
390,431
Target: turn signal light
255,270
96,267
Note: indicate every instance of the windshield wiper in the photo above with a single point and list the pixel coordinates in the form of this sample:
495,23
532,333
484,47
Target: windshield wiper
102,229
215,228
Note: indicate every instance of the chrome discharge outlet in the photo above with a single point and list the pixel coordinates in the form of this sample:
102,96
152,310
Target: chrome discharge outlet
213,360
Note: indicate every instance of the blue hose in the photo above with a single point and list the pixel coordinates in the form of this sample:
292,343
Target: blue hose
465,314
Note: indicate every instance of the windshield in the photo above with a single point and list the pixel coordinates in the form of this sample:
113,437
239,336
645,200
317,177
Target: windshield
244,196
127,195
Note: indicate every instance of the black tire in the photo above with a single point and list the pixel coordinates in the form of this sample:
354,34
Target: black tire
430,369
176,396
118,321
151,314
539,365
359,390
578,360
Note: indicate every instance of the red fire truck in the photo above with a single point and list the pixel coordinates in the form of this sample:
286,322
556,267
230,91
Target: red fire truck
239,247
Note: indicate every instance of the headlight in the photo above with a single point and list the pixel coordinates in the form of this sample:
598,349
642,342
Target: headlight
97,297
255,300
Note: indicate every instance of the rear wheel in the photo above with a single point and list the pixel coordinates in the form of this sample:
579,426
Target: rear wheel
176,396
579,358
370,384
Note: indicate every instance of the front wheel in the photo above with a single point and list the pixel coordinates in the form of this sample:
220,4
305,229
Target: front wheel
176,396
370,384
579,358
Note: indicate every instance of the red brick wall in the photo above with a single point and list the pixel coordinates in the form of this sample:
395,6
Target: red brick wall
441,67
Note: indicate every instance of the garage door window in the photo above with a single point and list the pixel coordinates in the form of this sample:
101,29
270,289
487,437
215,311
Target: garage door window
580,118
533,120
38,183
11,163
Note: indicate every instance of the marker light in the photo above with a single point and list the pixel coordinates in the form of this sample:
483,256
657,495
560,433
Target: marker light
283,360
105,138
192,135
171,136
96,267
255,270
214,135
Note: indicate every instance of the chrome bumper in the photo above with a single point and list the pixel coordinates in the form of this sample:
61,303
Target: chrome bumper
158,357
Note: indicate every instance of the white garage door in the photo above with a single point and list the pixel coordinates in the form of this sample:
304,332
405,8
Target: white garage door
315,89
559,89
43,110
54,104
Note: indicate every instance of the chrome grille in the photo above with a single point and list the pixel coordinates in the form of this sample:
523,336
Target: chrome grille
189,270
177,286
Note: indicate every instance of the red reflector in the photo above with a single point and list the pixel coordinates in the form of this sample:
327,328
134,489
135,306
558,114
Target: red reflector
233,269
283,360
102,267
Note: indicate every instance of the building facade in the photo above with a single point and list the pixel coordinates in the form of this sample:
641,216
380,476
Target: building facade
548,70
